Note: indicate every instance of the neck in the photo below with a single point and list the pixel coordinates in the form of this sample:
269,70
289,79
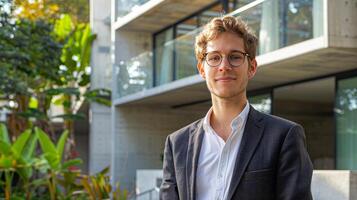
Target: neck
224,111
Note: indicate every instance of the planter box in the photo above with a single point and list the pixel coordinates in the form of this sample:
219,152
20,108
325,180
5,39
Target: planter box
334,185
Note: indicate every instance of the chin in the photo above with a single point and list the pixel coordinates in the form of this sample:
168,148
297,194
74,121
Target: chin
226,95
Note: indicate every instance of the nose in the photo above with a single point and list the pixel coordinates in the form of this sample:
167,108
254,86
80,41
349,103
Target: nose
225,65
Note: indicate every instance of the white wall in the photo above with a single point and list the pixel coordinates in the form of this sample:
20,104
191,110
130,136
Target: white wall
100,116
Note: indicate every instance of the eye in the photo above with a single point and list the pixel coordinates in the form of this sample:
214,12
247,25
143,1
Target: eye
236,56
215,57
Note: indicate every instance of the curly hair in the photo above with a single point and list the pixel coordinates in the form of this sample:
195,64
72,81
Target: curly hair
225,24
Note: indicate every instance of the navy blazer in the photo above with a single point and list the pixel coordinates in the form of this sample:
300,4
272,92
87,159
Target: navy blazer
272,162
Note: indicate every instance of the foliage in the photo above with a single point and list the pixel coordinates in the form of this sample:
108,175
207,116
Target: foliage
25,68
50,9
98,187
24,170
75,73
45,63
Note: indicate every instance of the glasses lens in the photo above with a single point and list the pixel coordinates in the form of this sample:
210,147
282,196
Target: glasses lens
213,59
236,58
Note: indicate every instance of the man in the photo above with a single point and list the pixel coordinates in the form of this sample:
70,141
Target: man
235,152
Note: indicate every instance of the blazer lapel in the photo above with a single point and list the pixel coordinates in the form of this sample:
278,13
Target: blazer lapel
193,152
252,135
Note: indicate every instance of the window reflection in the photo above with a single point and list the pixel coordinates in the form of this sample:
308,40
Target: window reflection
261,103
206,16
164,57
124,7
346,118
135,74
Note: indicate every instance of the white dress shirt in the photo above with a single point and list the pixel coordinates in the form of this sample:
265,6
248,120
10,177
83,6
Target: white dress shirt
217,158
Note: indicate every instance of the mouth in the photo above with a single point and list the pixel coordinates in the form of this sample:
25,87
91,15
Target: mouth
225,79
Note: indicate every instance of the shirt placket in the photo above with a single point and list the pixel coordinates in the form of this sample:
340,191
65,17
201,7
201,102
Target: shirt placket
222,170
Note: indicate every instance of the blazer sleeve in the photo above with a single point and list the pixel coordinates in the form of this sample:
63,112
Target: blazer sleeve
168,189
294,171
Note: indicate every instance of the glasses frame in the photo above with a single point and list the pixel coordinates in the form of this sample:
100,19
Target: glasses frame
222,57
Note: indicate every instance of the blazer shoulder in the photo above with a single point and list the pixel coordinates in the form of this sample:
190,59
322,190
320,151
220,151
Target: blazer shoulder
185,131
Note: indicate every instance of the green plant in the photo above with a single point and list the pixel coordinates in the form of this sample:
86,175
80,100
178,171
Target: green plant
17,158
53,154
98,187
24,170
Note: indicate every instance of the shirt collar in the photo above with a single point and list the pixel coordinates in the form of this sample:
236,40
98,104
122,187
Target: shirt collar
237,122
241,118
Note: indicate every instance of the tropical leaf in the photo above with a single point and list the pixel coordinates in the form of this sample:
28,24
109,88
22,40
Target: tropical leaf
47,145
100,95
53,160
20,143
6,162
72,117
63,27
30,147
66,90
87,185
5,148
61,143
33,113
4,135
24,168
105,170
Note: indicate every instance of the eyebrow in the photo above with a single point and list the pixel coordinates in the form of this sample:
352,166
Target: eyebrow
229,52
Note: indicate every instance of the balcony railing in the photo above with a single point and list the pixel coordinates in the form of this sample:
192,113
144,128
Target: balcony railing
124,7
277,23
134,75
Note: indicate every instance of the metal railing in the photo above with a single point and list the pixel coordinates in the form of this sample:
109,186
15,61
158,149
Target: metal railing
151,194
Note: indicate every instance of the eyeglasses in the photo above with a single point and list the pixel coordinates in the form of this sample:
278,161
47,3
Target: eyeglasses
235,58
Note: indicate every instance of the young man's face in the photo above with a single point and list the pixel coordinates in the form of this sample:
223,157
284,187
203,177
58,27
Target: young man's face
225,80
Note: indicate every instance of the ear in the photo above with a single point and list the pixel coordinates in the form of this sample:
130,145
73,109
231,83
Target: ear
252,69
201,69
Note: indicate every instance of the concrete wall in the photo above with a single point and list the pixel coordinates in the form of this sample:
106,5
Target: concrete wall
101,75
140,133
342,20
129,44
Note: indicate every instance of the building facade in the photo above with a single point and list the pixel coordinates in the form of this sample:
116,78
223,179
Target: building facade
307,72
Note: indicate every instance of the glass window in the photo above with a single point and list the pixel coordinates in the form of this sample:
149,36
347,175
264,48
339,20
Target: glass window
282,23
235,4
135,74
297,21
346,126
185,61
126,6
261,103
206,16
164,57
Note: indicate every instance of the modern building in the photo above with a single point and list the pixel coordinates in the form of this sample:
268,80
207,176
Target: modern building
307,72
